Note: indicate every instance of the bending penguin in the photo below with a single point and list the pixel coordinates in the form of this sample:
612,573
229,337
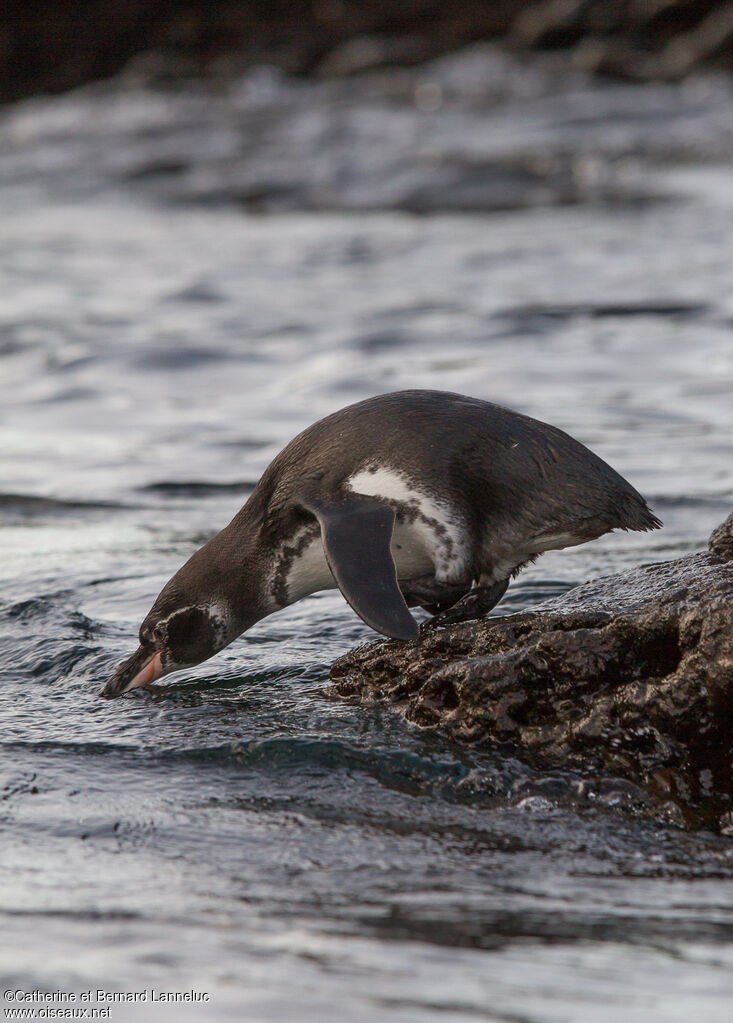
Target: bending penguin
415,498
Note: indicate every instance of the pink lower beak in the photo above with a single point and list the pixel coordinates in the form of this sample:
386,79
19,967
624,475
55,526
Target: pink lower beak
141,669
150,672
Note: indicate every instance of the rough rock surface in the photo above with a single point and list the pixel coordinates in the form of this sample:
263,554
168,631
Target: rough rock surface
629,676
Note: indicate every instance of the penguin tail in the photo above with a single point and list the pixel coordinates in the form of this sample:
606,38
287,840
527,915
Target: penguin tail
639,517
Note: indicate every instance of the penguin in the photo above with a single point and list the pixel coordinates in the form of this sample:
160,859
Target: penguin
409,499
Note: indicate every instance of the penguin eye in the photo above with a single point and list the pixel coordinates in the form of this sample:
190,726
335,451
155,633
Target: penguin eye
158,634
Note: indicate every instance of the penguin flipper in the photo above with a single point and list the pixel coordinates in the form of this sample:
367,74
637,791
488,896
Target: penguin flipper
356,533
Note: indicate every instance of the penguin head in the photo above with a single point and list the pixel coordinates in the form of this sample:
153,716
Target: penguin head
175,634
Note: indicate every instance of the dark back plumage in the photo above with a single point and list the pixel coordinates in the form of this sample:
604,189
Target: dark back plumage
496,464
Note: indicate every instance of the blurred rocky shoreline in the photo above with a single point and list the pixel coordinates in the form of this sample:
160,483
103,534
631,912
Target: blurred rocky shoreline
48,50
476,131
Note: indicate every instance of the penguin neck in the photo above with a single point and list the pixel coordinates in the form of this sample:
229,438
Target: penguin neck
231,570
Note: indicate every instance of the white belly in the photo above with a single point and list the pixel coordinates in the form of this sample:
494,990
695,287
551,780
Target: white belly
411,556
428,538
310,573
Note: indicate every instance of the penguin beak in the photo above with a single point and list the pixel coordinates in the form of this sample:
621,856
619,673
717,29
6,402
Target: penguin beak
144,667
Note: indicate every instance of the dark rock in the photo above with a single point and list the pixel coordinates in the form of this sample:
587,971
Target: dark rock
721,540
630,676
46,49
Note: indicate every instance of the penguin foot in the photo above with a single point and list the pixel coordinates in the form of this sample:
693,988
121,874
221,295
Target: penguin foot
473,605
425,592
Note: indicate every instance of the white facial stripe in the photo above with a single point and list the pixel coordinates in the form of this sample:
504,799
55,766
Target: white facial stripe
431,531
221,623
219,616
